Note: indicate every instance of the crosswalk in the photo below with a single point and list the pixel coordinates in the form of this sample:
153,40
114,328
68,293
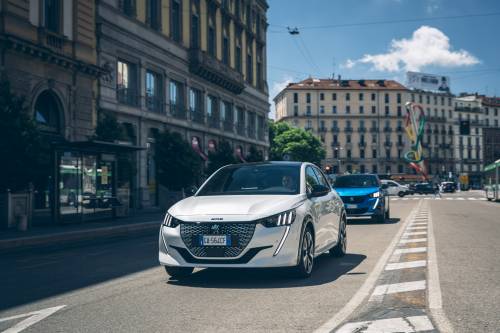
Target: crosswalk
439,198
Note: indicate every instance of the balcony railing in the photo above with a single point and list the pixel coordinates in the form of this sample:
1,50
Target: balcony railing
400,143
362,144
468,109
213,122
178,111
399,129
197,116
361,129
374,129
260,134
335,144
154,104
323,129
228,125
388,144
348,129
127,96
240,129
387,129
251,132
335,129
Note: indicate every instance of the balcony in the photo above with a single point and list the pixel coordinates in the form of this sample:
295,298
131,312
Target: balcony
468,109
240,129
400,144
362,144
211,69
437,119
178,111
323,129
154,104
335,130
335,144
228,125
197,116
127,96
260,134
387,129
213,122
361,129
251,132
374,129
348,130
387,144
399,129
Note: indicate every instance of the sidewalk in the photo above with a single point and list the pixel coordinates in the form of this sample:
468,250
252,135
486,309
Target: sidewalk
61,235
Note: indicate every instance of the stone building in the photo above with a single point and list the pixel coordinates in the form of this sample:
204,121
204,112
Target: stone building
197,67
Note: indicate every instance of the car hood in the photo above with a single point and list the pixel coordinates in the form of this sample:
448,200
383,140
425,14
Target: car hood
233,207
352,191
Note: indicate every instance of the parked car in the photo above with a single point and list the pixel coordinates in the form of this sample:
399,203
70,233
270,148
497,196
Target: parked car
269,214
363,196
425,188
448,187
394,188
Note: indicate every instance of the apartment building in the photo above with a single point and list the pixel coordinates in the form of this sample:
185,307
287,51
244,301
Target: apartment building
360,122
197,67
491,129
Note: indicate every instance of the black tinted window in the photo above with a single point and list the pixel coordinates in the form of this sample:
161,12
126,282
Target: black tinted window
254,179
357,181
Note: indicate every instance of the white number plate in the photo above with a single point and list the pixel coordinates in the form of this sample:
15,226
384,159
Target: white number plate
351,206
215,240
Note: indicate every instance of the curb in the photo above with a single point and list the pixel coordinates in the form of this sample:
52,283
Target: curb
71,237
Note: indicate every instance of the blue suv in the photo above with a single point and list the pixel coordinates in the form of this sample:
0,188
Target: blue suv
363,196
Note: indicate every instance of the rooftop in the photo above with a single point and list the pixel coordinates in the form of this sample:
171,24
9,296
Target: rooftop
312,83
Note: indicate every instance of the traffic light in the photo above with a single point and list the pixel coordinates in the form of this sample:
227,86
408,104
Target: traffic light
328,169
464,127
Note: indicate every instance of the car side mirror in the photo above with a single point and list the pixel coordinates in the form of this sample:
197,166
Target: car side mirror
319,191
190,191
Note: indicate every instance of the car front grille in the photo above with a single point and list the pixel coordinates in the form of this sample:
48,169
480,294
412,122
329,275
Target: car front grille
354,199
241,234
355,211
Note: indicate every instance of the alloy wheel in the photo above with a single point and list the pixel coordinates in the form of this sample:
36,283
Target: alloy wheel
308,252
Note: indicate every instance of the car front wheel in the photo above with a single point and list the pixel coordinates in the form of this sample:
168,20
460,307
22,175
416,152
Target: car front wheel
306,257
340,249
178,272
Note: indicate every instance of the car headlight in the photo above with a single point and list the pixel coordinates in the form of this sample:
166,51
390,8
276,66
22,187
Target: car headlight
278,220
170,221
375,195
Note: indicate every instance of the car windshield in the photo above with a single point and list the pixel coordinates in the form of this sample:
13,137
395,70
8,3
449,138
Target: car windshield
254,179
357,181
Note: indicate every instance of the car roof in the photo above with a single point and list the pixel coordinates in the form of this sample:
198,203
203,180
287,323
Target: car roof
289,163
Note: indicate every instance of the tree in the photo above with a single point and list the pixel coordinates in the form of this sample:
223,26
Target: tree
20,143
224,155
177,165
297,144
108,128
254,155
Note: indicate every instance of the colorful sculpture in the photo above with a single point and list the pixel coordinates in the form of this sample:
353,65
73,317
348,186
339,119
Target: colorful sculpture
414,127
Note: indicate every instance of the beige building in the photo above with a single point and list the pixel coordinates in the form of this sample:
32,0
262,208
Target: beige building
197,67
361,123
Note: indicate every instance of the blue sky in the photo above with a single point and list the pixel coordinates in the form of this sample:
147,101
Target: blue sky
467,49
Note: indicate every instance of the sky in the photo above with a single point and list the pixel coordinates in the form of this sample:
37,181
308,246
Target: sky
382,39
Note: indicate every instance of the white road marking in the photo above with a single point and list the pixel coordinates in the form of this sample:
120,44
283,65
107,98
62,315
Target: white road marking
405,265
414,240
364,291
416,228
33,318
404,199
385,289
460,199
416,233
449,198
406,325
411,250
418,224
434,292
472,198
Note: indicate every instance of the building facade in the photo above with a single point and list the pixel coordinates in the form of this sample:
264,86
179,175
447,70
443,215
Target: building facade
197,67
491,129
48,54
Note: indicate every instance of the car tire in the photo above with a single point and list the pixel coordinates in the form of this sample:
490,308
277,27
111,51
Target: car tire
387,216
489,199
306,255
178,272
401,194
340,249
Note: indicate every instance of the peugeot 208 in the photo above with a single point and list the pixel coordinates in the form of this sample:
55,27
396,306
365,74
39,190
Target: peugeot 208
270,214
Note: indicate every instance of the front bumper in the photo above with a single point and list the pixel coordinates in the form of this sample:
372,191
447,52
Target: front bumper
260,251
367,208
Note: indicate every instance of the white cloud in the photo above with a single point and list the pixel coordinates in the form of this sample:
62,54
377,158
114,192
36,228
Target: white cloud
427,46
276,87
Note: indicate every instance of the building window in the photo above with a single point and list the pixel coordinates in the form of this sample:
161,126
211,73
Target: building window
211,38
361,96
388,153
373,97
399,111
362,168
126,83
295,97
238,57
374,169
321,97
348,153
387,110
386,98
225,43
374,109
212,112
128,7
420,99
226,116
195,107
321,109
153,14
195,31
296,110
334,109
308,98
335,138
362,153
249,62
308,110
47,114
153,91
361,109
334,96
335,153
374,153
347,109
399,98
176,99
260,68
176,20
52,15
347,96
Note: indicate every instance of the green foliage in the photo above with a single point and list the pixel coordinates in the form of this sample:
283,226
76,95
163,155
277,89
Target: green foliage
20,142
224,155
298,144
108,128
177,164
254,155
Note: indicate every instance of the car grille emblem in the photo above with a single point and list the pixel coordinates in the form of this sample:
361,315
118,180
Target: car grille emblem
215,228
352,199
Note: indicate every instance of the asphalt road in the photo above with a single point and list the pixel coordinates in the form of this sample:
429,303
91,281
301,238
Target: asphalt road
119,287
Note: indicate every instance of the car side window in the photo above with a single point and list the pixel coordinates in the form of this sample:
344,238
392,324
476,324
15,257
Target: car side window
311,179
393,184
321,178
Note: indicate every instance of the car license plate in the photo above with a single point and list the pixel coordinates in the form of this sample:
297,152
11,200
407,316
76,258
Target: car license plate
348,206
215,240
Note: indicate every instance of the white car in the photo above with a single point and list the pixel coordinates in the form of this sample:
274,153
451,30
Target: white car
269,214
395,188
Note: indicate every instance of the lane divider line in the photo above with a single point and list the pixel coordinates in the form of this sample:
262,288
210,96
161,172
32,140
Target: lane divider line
411,250
405,265
405,324
402,287
414,240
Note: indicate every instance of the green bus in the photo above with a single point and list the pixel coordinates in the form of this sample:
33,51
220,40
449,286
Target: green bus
492,181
